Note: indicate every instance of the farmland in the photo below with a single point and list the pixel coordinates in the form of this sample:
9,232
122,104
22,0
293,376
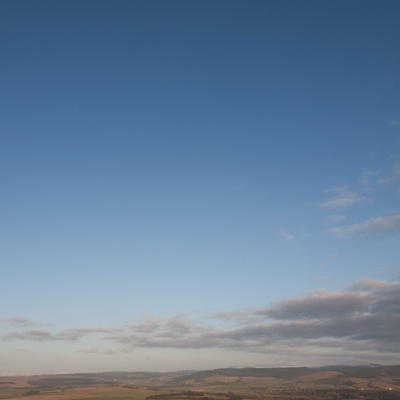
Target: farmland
368,383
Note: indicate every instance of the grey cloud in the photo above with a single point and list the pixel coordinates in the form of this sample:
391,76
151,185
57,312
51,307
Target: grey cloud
66,335
95,350
169,332
35,335
147,326
18,321
372,285
369,328
175,326
75,334
388,295
320,305
362,319
230,315
238,317
179,326
370,227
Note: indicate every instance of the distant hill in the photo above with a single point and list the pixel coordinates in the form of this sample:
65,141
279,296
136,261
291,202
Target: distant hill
251,383
294,372
364,371
286,373
355,377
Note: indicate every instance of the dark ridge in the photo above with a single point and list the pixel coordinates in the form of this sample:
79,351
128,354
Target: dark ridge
363,371
366,372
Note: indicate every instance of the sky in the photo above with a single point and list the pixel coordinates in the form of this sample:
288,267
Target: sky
198,184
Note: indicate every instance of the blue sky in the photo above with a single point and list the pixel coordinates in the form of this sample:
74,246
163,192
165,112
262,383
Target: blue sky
191,184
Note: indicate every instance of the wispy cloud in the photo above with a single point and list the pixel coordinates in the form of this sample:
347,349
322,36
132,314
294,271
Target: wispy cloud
285,235
343,197
369,178
75,334
369,227
95,350
35,335
19,322
394,123
393,177
66,335
336,218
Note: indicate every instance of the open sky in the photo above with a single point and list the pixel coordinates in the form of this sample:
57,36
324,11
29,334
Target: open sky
198,184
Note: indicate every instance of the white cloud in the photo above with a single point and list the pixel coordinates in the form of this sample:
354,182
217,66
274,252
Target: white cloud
394,123
343,198
369,227
368,178
393,177
285,235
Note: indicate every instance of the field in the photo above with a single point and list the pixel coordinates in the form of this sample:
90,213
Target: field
368,383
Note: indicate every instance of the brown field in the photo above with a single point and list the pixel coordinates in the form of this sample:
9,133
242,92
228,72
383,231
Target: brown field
381,383
98,393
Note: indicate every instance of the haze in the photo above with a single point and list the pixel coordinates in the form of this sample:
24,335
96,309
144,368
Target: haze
198,184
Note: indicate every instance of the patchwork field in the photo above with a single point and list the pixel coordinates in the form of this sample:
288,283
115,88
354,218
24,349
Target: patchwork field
368,383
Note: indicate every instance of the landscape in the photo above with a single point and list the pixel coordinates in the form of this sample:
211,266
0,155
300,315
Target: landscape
199,200
372,382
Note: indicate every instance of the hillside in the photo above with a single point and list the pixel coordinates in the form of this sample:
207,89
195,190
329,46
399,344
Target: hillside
330,382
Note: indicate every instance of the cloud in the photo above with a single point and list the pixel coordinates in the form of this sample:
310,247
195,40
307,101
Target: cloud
238,317
394,123
35,335
343,198
95,350
363,317
372,285
76,334
320,305
359,322
285,235
368,178
369,227
388,293
66,335
336,218
393,178
19,321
